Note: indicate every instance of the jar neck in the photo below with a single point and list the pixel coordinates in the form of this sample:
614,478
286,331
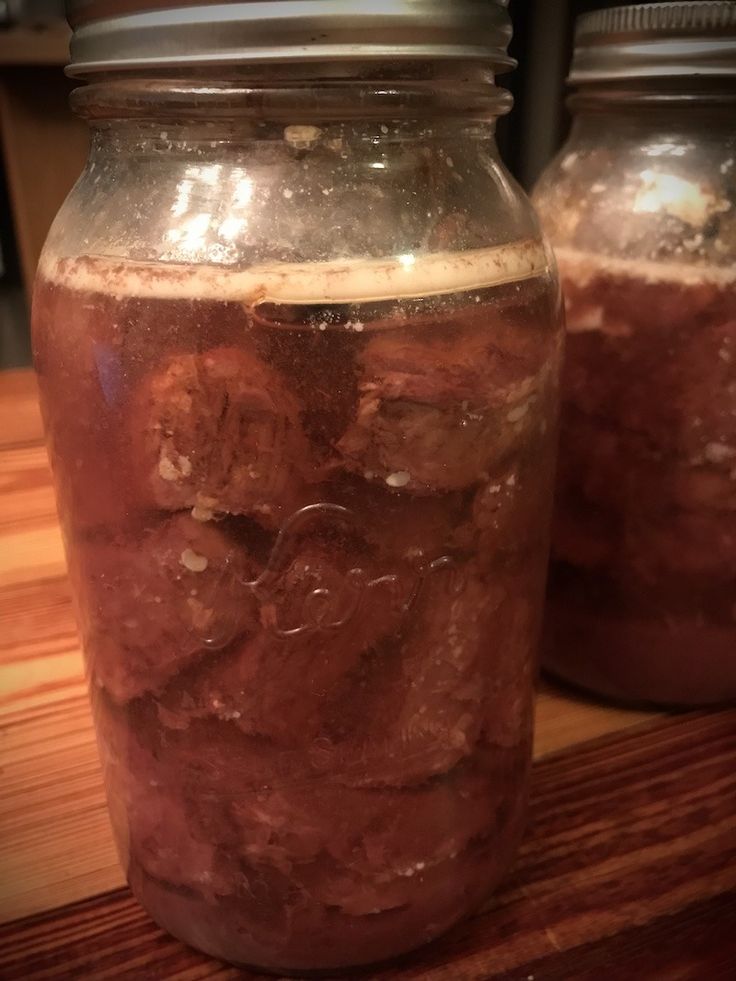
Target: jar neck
623,122
677,96
309,94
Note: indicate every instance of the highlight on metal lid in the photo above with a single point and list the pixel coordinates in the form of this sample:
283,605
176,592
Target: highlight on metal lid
656,40
135,35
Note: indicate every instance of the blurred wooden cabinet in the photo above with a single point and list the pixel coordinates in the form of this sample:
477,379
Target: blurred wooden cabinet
44,145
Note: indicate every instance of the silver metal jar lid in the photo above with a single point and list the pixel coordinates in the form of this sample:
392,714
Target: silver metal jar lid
656,40
121,35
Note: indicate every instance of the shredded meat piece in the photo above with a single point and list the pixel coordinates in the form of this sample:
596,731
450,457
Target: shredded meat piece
221,431
151,606
436,413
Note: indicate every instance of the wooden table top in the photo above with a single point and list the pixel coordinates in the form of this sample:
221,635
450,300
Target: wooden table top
628,868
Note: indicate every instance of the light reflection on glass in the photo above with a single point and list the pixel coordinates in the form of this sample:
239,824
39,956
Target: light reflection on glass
231,227
192,233
243,189
183,194
210,174
667,149
190,236
673,195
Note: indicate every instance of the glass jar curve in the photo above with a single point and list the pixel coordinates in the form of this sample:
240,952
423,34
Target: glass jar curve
299,383
639,206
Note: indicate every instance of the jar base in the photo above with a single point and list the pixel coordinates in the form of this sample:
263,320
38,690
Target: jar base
228,931
637,663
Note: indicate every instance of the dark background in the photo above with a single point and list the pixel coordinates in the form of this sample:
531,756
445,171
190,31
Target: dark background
542,44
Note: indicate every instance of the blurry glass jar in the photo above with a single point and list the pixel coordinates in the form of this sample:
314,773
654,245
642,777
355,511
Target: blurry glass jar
297,339
640,207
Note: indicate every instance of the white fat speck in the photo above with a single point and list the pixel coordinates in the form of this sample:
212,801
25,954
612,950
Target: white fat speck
195,563
694,243
369,475
202,514
726,165
399,479
384,128
302,137
157,599
288,193
326,191
495,488
322,325
167,470
170,470
449,162
511,482
457,738
518,412
719,452
358,327
725,355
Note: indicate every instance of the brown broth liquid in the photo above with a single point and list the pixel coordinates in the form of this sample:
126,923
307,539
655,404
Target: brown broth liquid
308,546
643,577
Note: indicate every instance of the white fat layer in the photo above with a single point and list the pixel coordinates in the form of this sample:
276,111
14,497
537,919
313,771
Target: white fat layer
582,267
338,281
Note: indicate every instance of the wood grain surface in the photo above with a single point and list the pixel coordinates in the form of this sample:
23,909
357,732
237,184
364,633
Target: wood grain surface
628,870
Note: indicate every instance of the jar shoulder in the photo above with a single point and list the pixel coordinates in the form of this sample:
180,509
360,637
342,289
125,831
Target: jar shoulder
659,194
310,196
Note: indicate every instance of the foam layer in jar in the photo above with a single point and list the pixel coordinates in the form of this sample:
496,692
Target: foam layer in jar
369,280
604,293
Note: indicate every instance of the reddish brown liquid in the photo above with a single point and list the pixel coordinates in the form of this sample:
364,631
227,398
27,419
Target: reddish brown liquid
309,560
643,584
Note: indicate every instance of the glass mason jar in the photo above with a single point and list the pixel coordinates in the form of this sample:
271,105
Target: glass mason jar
297,338
640,207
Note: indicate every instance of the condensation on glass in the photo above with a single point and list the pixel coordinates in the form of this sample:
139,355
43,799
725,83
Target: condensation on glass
298,372
641,208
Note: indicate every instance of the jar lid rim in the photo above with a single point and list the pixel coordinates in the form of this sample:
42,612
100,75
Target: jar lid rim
139,35
656,40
